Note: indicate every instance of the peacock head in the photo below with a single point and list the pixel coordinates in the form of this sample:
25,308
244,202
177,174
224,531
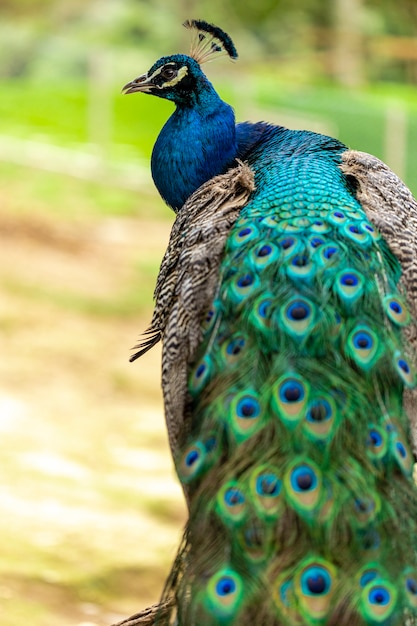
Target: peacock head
179,77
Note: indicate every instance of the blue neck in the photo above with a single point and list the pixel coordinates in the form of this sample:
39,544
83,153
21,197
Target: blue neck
197,143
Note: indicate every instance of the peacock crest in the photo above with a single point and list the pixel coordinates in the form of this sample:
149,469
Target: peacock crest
209,42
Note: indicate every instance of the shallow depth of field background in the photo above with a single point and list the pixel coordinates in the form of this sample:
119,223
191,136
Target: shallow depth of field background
90,510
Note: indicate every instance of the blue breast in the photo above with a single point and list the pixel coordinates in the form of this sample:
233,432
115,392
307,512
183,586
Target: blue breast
194,145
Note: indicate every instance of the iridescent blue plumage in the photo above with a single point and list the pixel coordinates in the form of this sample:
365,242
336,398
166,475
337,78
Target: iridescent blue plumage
197,142
293,445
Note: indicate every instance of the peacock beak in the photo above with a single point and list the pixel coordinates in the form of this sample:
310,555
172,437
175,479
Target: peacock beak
141,83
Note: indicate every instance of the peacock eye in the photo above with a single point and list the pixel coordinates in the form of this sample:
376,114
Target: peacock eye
169,72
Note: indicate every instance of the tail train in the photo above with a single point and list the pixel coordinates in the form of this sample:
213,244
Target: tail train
286,303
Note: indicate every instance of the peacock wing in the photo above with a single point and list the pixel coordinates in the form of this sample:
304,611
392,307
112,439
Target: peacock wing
392,209
187,281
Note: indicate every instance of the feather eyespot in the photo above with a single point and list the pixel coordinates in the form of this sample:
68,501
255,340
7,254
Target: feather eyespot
268,485
349,286
225,586
200,374
410,586
315,242
313,587
264,251
298,311
378,600
349,279
266,489
303,486
231,505
404,370
192,462
377,443
289,397
287,243
264,307
244,416
223,594
363,346
248,407
261,314
329,251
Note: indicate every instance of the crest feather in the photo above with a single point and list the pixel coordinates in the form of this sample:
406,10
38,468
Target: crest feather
209,42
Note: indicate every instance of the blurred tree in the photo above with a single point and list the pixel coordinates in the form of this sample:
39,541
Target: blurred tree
348,42
334,37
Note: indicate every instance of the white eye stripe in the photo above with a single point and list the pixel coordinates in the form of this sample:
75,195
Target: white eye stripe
183,71
159,70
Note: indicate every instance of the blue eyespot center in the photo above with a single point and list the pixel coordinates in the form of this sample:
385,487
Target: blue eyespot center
316,583
316,580
264,251
287,243
200,370
402,364
401,449
395,306
264,308
191,458
292,391
316,242
368,577
362,340
303,478
268,485
319,411
375,438
248,407
300,260
225,586
411,585
234,497
298,311
350,280
235,346
379,595
245,281
244,232
365,505
329,252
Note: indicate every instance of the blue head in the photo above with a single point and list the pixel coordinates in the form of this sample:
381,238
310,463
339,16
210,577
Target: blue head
177,77
198,141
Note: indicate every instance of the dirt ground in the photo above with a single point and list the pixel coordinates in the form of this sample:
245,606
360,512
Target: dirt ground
90,509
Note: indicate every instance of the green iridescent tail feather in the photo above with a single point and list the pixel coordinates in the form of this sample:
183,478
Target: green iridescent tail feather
298,466
287,307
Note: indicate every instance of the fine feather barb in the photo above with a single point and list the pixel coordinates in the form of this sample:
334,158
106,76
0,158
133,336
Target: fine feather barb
209,42
390,207
146,345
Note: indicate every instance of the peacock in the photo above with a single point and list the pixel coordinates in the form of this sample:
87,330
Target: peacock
286,304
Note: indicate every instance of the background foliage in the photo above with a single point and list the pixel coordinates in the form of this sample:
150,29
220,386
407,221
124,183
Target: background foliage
91,513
